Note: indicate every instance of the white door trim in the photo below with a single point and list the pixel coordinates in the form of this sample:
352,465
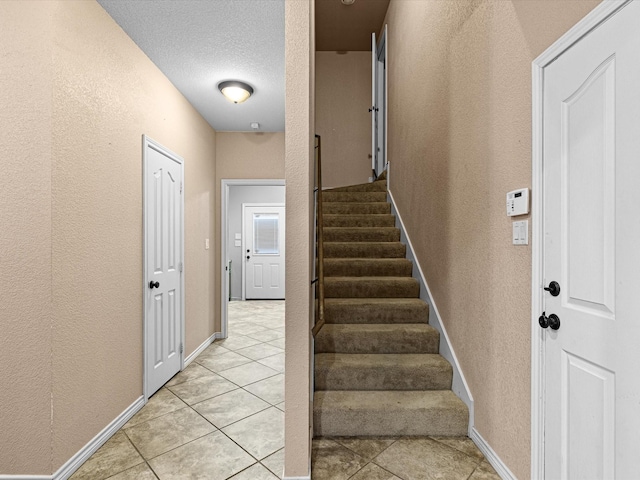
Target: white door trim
224,231
244,236
148,143
603,11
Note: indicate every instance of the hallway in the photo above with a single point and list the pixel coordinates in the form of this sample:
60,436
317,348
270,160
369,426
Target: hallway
221,418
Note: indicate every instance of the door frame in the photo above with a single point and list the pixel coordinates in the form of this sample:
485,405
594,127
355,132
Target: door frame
226,184
148,143
597,16
379,49
244,236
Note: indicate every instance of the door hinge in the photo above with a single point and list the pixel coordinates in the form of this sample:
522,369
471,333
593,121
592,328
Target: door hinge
181,348
180,187
180,267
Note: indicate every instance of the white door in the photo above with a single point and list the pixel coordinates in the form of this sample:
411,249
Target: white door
264,228
381,103
163,208
591,216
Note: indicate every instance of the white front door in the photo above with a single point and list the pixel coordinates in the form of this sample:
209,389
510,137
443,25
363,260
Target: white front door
591,163
264,253
373,109
163,207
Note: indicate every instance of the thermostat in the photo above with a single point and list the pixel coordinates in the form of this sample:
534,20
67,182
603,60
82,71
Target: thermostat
518,202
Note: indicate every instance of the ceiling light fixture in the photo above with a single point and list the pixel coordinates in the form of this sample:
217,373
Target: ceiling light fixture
235,91
348,2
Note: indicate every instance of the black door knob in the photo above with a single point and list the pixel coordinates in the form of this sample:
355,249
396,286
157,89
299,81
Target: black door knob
153,284
248,257
543,320
553,289
554,322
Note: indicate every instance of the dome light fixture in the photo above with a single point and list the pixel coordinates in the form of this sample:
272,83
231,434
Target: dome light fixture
348,2
235,91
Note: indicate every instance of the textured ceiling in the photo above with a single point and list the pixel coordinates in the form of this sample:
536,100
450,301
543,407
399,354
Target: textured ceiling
199,43
348,27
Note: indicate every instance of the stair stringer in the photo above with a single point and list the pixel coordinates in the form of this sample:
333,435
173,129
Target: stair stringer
459,384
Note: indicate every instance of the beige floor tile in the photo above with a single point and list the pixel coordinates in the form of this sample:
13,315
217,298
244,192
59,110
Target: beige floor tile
367,448
245,328
191,372
255,472
203,388
213,349
115,456
373,472
266,335
275,361
277,343
161,403
248,373
484,472
463,444
259,351
164,433
237,342
426,459
140,472
261,434
275,462
332,461
270,389
230,407
280,406
213,457
219,363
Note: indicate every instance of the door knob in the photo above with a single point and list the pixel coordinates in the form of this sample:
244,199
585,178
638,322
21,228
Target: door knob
248,257
552,321
553,289
153,284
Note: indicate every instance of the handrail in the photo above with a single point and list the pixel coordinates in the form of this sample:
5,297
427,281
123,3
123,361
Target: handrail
319,240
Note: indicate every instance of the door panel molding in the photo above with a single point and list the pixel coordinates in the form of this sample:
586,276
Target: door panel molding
147,145
600,14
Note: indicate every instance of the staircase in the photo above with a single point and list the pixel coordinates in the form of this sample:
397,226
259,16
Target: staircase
377,367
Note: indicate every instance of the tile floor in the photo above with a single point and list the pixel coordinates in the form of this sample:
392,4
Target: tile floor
222,419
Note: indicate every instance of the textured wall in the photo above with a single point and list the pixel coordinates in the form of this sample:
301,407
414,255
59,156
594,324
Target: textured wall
107,94
243,155
343,98
299,141
25,238
459,139
77,96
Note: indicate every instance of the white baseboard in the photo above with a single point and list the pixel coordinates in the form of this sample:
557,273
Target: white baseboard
306,477
459,385
75,462
491,456
191,357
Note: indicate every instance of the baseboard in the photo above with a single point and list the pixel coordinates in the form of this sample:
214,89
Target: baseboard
491,456
306,477
191,357
459,385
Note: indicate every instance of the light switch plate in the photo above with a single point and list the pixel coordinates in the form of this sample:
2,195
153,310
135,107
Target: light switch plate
521,232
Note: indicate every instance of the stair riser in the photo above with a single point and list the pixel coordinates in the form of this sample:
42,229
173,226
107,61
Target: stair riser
372,314
377,342
364,187
381,220
386,378
371,289
356,250
390,420
329,196
361,234
344,208
392,267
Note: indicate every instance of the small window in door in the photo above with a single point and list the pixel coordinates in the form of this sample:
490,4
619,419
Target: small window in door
265,228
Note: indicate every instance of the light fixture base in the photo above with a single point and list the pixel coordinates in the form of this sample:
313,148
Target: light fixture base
235,91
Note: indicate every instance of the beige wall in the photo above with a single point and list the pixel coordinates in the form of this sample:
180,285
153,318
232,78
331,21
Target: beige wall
343,98
84,229
243,155
459,139
299,149
25,238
